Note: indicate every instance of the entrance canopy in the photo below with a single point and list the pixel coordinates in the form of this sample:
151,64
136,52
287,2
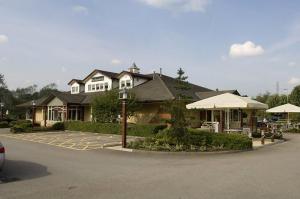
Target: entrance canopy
227,101
286,108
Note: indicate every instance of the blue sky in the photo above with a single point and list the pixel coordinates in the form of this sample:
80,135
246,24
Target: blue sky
244,45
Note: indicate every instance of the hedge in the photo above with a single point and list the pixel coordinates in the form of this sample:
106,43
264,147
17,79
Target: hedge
24,126
4,124
293,130
194,141
114,128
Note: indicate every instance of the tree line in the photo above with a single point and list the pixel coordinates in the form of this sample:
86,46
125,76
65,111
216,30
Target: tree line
12,98
274,100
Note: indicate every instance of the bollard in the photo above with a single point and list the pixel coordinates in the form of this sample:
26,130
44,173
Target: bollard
263,140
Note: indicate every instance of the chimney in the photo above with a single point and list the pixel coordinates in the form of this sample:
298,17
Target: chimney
160,72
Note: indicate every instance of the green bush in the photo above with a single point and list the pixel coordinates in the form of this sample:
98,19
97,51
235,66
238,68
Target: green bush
21,126
4,124
114,128
194,141
58,126
294,130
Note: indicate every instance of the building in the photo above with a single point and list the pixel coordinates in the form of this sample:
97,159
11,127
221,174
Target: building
151,91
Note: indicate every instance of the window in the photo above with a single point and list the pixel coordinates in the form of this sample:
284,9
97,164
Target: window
97,79
93,87
106,86
122,84
128,83
97,87
89,87
73,89
101,87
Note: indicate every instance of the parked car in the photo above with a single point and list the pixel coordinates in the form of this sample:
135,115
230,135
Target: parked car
2,156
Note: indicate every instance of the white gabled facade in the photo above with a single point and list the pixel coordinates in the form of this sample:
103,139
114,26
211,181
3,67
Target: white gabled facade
98,82
77,88
128,81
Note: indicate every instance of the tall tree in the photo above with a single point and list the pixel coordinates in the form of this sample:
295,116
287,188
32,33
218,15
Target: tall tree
295,96
2,81
177,108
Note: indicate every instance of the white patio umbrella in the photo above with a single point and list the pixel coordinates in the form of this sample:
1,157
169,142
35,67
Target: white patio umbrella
286,108
227,101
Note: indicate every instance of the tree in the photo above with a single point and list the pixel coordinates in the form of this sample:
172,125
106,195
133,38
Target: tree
2,81
107,107
295,96
276,100
177,108
48,89
263,98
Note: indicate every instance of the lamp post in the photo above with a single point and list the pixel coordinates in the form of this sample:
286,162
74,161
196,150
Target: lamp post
33,112
1,105
123,95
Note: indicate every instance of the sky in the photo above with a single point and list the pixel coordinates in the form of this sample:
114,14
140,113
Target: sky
243,45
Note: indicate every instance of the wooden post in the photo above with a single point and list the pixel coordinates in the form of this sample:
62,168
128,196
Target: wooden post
221,122
241,118
124,124
45,116
33,115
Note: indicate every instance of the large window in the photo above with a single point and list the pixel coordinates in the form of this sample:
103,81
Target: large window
56,113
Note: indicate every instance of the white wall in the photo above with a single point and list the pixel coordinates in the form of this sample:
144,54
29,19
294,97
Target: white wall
135,81
125,78
75,86
106,80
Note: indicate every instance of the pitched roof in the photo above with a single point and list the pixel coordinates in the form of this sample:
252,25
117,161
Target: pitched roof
106,73
75,80
153,90
163,87
134,75
204,95
38,102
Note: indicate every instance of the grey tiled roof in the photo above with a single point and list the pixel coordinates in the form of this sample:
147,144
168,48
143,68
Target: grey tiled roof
204,95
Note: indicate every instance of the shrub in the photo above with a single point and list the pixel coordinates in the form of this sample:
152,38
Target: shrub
4,124
21,126
114,128
194,141
58,126
293,130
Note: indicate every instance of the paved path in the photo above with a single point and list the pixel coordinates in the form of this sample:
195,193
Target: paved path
39,171
70,140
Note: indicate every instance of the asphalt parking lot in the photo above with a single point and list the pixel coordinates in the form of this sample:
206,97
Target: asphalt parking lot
41,171
70,140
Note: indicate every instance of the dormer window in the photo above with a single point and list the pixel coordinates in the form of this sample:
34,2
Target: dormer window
75,89
98,79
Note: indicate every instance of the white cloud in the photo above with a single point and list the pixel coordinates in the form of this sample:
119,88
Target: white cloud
115,62
292,63
179,5
246,49
3,39
294,80
80,9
